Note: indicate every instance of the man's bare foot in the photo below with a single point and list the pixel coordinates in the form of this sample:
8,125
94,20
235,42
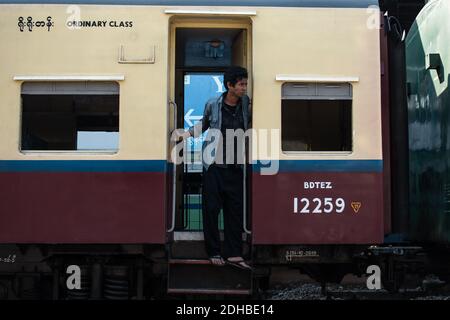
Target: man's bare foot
238,262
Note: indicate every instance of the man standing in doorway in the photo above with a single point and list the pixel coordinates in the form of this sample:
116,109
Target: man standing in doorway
223,174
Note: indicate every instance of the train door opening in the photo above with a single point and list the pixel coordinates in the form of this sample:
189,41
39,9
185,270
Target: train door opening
201,54
202,50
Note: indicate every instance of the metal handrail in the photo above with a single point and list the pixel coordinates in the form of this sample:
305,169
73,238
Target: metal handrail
245,193
174,180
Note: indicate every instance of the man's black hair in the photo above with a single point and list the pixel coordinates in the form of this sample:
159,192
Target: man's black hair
233,75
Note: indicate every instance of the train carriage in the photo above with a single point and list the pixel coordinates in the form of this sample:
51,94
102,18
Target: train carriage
426,61
427,93
91,91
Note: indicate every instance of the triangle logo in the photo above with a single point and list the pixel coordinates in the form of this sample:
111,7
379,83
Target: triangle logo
356,206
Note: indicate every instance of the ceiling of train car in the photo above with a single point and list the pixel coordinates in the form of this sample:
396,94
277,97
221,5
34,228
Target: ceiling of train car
405,10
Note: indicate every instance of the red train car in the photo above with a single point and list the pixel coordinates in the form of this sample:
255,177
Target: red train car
87,176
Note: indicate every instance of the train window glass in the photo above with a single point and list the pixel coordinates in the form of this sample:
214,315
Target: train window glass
204,47
316,117
72,117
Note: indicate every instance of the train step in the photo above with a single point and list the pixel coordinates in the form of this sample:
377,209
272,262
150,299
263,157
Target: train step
190,245
199,276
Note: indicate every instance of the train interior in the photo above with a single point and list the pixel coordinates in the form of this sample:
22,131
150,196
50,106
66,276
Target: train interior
202,55
201,58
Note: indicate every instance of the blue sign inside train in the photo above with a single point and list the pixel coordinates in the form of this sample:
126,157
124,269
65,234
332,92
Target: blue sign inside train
198,89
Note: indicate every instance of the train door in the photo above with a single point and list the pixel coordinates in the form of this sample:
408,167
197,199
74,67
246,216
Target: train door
201,51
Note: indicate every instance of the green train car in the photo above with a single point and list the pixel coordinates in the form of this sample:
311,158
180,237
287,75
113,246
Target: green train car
428,62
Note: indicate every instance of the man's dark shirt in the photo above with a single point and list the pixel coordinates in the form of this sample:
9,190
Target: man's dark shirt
231,119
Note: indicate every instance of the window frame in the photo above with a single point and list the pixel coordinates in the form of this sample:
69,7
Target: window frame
68,152
315,97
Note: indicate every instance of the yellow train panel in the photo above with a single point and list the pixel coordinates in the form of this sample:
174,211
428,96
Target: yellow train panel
90,51
319,43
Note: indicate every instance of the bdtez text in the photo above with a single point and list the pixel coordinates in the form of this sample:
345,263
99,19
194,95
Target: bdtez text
318,205
317,185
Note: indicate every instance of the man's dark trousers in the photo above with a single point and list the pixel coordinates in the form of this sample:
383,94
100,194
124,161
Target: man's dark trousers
222,188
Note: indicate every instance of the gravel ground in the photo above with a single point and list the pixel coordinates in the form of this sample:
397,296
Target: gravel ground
292,286
308,291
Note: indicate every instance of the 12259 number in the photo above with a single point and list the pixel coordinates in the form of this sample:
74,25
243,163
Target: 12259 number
317,205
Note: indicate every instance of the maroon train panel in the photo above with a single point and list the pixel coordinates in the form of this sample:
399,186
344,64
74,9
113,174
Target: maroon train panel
278,217
82,207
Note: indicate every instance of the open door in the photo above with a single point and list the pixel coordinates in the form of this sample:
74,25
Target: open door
200,55
201,51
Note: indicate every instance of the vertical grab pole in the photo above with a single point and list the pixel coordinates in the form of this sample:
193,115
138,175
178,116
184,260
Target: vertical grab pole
245,193
174,178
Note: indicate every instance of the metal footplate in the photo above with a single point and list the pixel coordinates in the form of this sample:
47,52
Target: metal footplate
195,276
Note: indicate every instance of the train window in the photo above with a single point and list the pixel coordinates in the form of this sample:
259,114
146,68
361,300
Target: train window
316,117
70,116
206,47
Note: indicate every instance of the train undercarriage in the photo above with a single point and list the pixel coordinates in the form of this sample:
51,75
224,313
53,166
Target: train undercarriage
136,272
